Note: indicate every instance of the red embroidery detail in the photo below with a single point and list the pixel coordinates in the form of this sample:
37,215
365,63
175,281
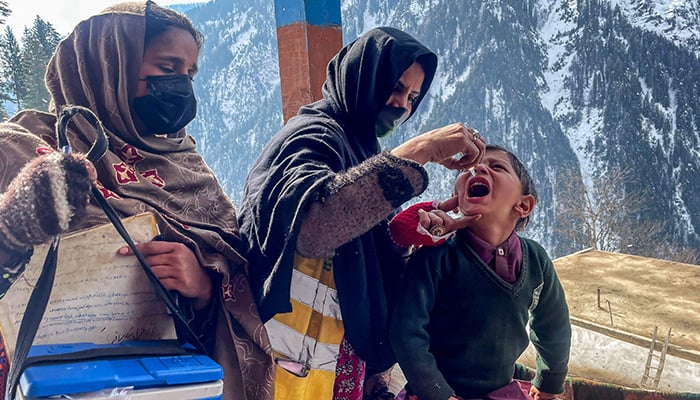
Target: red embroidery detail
125,173
152,176
106,193
44,150
130,154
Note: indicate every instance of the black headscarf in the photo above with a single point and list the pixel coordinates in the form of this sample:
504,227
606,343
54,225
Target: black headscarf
299,163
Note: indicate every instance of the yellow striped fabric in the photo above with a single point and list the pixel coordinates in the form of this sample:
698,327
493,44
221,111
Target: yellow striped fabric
311,333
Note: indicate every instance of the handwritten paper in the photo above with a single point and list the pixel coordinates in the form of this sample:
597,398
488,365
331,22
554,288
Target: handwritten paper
98,296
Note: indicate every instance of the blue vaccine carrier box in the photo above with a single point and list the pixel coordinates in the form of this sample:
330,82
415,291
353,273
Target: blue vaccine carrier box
172,377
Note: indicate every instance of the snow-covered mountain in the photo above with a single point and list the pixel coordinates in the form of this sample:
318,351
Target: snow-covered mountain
576,88
675,20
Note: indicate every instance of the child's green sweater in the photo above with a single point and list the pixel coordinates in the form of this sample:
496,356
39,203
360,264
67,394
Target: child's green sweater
458,328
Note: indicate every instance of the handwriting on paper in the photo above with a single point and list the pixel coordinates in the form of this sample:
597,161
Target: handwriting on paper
98,296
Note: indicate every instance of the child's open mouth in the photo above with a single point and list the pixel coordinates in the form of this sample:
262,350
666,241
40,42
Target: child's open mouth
478,187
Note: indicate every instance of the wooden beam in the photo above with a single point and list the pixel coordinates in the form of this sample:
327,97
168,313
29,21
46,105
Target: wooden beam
309,34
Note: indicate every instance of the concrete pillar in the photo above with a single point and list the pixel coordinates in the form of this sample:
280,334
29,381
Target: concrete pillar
309,33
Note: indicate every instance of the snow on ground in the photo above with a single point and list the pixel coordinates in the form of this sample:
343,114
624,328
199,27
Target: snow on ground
601,358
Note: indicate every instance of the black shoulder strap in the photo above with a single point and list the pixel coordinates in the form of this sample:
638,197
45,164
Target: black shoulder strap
42,291
31,318
162,292
161,348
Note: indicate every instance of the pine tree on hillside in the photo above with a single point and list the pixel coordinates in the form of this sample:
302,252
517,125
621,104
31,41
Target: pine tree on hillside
15,88
3,98
38,43
3,90
4,11
48,37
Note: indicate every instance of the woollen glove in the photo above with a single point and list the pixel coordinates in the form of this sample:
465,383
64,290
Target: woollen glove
42,201
406,231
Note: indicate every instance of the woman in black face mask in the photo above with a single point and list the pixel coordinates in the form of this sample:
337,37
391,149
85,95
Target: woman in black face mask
315,211
165,101
132,65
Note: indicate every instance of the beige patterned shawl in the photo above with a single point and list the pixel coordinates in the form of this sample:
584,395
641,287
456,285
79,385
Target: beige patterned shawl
97,66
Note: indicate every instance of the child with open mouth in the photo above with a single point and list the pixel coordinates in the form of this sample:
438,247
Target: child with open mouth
472,288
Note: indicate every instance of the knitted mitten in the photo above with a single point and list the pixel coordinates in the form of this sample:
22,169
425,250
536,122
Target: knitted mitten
406,231
43,199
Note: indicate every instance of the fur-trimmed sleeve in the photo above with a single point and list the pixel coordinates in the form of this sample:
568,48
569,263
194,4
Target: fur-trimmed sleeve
356,200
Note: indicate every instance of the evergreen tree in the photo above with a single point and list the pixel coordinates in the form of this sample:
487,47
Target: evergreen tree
3,89
13,75
38,44
48,37
4,11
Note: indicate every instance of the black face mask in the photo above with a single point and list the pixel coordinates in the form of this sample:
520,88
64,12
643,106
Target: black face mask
169,104
390,118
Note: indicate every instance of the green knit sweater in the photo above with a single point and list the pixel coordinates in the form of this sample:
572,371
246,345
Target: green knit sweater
458,328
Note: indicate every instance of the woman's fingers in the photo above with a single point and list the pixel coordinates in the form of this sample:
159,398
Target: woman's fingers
441,217
463,222
449,204
457,146
428,219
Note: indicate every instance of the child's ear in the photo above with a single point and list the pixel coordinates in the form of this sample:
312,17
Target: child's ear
524,207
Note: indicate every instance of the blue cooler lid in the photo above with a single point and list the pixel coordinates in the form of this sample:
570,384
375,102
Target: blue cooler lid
99,374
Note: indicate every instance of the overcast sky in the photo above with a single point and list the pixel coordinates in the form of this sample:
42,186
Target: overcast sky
62,14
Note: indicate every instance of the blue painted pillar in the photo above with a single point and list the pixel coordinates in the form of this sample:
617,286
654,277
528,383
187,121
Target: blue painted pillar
309,33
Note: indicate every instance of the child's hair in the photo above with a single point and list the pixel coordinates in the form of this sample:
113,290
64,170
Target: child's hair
527,185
